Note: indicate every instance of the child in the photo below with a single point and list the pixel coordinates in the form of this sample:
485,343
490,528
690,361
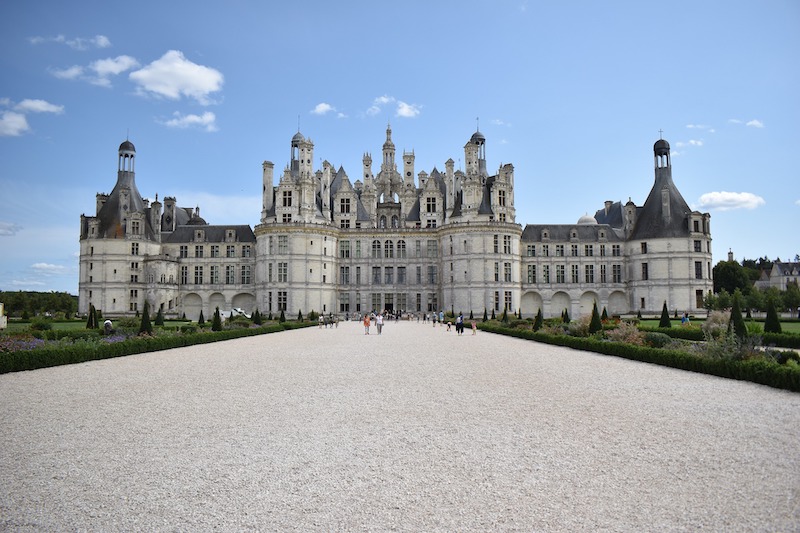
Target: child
474,327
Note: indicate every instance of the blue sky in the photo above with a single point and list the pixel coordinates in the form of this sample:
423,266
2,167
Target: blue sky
572,93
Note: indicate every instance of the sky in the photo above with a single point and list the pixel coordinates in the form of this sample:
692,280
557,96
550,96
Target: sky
572,93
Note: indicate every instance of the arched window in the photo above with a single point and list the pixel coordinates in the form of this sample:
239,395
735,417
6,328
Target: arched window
388,249
401,249
376,249
395,221
382,222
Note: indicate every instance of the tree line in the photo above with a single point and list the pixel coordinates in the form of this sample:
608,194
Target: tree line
734,281
31,303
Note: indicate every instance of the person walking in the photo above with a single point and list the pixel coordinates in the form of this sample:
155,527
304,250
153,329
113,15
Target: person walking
366,324
379,323
460,324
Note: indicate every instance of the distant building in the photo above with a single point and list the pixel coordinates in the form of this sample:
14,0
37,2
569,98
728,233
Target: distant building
395,240
779,276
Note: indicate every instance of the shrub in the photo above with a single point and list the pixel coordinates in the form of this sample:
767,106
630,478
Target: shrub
216,322
657,339
282,319
665,322
626,332
300,316
736,323
485,315
201,321
595,324
604,316
772,324
538,321
159,318
146,327
313,316
41,324
716,324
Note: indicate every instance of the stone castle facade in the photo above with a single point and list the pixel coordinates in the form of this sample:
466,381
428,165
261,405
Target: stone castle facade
392,240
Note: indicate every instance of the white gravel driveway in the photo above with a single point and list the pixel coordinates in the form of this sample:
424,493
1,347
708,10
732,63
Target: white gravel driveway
414,430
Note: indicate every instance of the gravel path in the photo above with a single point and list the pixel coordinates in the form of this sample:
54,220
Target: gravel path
414,430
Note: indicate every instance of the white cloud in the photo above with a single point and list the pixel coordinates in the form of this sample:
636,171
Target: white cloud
78,43
47,268
693,142
323,108
70,73
726,201
173,76
407,110
27,283
38,106
105,68
13,124
734,121
8,228
206,121
379,103
701,127
498,122
755,123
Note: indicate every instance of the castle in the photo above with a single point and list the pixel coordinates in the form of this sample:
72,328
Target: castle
396,241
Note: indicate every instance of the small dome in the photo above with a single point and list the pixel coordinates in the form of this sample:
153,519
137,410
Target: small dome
298,138
661,147
477,138
127,146
197,221
586,220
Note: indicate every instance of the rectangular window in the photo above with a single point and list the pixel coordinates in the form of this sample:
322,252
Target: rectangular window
376,275
644,247
545,250
230,251
574,270
430,205
698,246
286,218
616,251
388,301
501,198
287,198
603,274
419,275
559,250
344,275
198,250
531,273
282,300
432,249
376,302
496,242
283,272
645,273
696,226
588,250
358,275
616,273
531,250
344,205
418,248
507,272
283,244
358,249
497,271
246,250
184,251
344,302
344,249
198,275
561,276
602,250
574,250
214,273
698,298
134,278
401,302
401,275
546,273
588,274
344,223
389,275
496,300
215,250
230,275
698,270
135,227
432,274
507,301
184,275
246,276
506,244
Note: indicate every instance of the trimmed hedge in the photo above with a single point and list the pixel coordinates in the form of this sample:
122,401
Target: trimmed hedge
780,340
754,370
82,350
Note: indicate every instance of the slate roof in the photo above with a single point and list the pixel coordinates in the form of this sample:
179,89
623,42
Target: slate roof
212,233
650,223
563,233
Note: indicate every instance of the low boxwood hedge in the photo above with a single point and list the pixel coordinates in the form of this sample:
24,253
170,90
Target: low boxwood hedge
82,349
756,370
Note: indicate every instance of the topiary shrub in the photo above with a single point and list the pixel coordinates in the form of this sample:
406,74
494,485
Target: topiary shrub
538,321
159,318
772,323
656,339
201,321
595,324
665,322
216,322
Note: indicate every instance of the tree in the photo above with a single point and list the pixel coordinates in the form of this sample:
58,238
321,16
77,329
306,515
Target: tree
736,323
146,327
755,300
300,316
159,318
710,301
538,322
257,320
791,297
595,325
566,317
485,315
493,317
724,300
91,320
772,324
201,321
604,316
216,321
504,318
471,316
665,322
282,317
730,275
